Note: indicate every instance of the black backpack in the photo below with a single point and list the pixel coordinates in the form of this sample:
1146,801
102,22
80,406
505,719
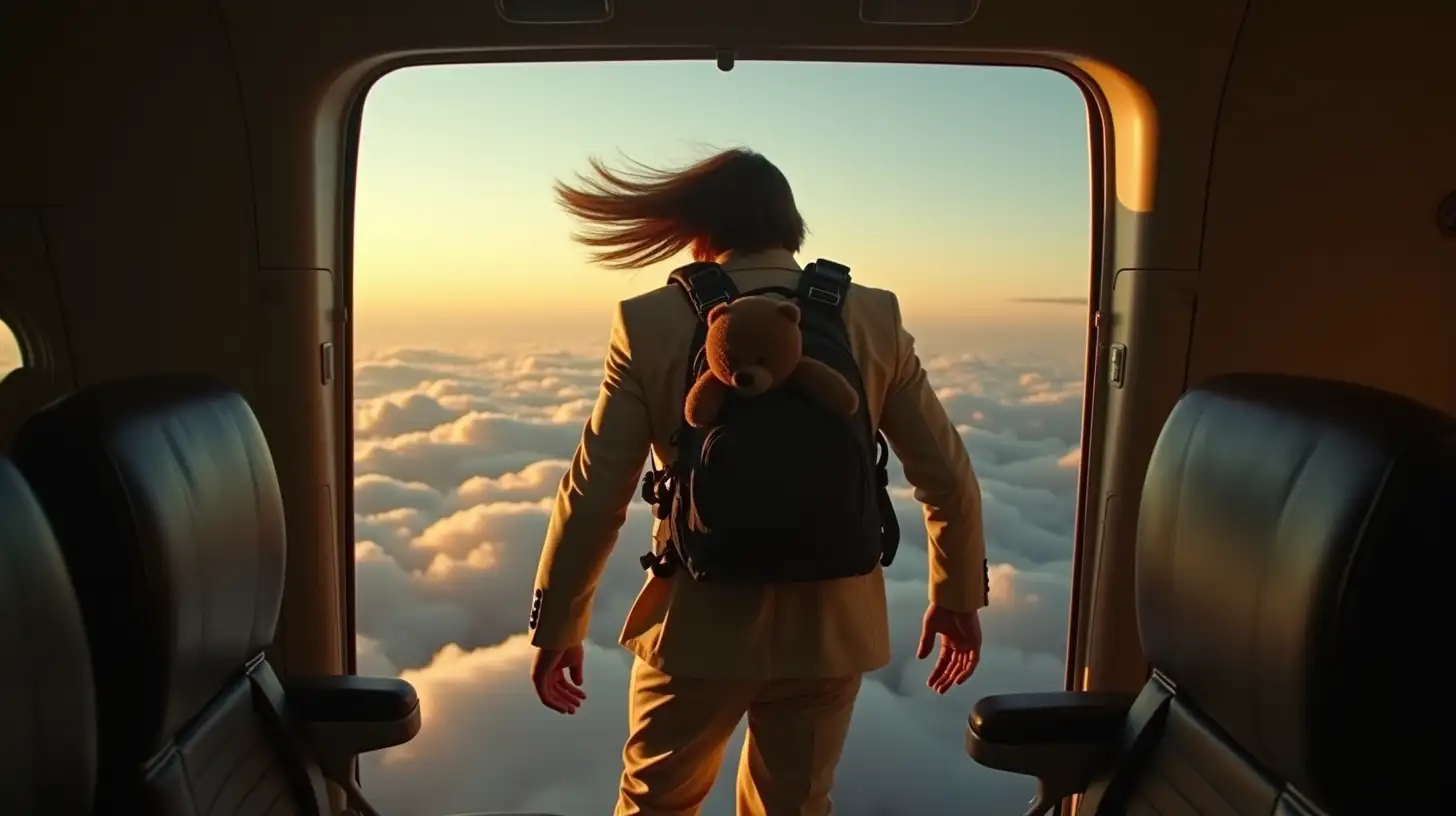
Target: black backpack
780,489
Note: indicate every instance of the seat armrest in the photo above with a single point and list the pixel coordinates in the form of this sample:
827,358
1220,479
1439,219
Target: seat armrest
1063,738
342,716
350,698
1056,717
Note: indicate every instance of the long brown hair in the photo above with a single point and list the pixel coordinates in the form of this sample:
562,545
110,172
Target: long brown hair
733,201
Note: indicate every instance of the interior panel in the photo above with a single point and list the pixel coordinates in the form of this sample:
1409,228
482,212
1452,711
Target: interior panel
1322,253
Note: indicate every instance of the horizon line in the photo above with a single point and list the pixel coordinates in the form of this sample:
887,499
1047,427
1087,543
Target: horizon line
1056,301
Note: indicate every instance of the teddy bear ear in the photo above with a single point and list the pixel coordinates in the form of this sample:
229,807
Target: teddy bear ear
716,312
789,310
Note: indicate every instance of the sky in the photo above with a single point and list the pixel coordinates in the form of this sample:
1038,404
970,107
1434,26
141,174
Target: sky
962,188
479,329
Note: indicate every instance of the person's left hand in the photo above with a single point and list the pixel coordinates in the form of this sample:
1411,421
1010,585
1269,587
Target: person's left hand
960,646
557,676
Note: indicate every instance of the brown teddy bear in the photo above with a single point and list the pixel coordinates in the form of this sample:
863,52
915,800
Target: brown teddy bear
754,346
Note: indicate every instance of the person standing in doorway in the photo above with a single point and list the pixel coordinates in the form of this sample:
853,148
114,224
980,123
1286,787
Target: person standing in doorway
714,644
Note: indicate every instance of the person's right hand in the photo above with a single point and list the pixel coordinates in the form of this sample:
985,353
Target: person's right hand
556,674
960,646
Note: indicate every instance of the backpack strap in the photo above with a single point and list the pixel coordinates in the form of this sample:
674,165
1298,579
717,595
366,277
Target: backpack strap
889,524
824,285
705,284
823,288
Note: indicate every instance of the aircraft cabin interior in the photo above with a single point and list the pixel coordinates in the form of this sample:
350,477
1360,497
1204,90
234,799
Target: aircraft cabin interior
1268,460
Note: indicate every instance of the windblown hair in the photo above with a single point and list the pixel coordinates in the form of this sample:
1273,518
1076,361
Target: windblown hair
734,201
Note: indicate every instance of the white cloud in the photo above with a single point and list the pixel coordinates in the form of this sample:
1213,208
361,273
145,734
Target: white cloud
458,458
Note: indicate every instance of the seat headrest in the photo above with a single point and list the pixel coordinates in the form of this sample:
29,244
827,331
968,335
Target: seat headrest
164,499
1284,527
48,716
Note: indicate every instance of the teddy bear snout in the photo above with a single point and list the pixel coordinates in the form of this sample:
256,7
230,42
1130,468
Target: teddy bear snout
751,380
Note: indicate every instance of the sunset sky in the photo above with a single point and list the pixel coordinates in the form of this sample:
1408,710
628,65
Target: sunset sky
962,188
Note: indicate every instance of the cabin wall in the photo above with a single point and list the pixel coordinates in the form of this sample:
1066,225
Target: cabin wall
132,248
1321,252
129,162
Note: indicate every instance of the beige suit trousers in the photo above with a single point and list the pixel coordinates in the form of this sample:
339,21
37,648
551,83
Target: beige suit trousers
678,730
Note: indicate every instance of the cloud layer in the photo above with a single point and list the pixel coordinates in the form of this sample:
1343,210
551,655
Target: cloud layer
457,458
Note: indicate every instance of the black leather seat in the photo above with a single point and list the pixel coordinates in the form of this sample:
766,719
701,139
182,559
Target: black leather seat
48,718
1287,569
164,498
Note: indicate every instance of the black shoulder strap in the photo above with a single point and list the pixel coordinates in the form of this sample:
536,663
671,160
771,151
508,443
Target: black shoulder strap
706,285
824,285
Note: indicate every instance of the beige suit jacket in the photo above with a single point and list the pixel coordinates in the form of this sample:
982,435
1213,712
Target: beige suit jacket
826,629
